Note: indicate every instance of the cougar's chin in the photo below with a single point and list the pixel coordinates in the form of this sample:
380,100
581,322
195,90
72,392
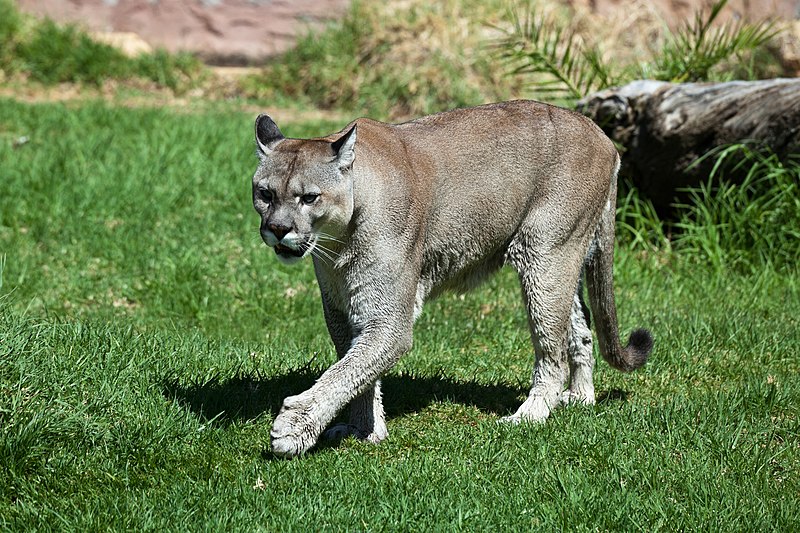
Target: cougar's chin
300,247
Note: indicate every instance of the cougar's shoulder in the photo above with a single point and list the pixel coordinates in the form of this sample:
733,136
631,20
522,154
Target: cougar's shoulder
387,172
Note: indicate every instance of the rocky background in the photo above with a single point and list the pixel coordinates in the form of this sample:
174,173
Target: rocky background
247,32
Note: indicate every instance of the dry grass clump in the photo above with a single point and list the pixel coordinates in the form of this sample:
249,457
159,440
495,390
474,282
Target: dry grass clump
629,35
395,60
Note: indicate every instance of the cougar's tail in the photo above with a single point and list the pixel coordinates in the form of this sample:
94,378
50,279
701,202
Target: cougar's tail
600,282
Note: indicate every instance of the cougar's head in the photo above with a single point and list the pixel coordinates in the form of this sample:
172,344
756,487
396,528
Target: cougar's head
303,191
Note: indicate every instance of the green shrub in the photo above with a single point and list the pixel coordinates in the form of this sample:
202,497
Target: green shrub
64,53
10,22
321,68
52,53
176,71
697,49
550,54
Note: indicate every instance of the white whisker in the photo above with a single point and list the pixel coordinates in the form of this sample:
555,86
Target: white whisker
322,257
323,252
328,237
329,250
310,247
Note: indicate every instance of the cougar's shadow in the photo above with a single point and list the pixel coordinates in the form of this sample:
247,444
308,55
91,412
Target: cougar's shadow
247,397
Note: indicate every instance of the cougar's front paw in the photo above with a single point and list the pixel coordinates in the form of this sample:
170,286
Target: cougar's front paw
296,428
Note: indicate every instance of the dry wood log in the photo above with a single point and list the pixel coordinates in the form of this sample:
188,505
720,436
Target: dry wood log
664,127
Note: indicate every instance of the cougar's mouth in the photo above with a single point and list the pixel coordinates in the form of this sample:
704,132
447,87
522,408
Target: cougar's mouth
285,251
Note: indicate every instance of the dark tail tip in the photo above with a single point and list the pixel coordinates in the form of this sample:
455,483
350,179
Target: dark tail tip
639,346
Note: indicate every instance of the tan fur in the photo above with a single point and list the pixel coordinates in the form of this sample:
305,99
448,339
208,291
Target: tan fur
396,214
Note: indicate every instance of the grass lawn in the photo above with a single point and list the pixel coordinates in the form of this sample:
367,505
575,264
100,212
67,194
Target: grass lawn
148,337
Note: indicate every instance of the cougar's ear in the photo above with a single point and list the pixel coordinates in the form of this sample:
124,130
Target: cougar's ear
267,134
344,149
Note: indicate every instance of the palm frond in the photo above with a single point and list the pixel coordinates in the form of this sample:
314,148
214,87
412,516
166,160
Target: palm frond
551,54
693,51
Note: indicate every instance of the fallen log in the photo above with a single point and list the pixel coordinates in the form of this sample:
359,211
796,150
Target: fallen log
663,128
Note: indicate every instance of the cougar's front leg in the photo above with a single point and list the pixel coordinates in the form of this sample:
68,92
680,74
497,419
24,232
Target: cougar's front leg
377,345
367,419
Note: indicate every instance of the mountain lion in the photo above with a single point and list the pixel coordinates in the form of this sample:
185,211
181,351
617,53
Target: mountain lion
395,214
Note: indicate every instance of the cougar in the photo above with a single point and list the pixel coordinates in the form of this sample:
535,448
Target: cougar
394,214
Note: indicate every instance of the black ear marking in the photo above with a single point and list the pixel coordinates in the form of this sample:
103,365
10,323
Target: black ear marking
268,135
341,141
344,148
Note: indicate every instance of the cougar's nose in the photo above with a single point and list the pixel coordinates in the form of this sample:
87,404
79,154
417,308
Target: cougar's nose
279,230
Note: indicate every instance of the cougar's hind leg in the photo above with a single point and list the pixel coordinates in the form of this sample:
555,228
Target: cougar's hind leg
367,419
579,351
549,278
366,414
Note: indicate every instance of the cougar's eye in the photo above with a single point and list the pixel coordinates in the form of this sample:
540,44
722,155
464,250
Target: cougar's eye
266,195
309,199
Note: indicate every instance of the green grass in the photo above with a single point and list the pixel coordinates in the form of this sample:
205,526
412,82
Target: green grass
148,337
748,225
